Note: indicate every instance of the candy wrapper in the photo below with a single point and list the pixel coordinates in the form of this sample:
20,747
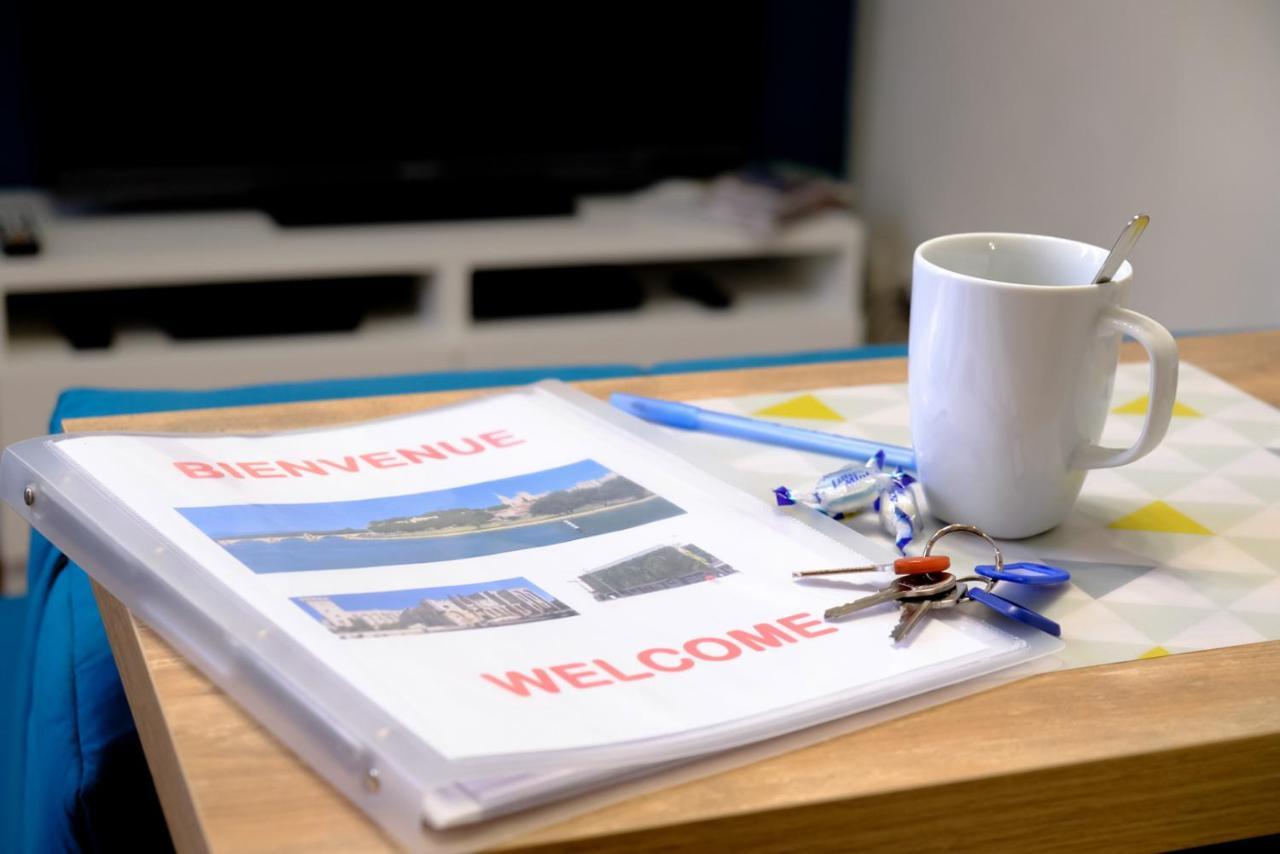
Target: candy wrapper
854,488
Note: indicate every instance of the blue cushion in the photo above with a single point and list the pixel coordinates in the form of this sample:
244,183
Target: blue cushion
93,402
83,783
808,357
13,617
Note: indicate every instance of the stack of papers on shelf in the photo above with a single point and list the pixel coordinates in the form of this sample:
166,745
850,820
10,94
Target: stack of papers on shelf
460,613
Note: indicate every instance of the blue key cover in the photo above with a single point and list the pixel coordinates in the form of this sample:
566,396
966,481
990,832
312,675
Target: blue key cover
1025,572
1014,611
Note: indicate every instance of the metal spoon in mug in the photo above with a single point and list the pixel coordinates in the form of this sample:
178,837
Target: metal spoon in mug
1124,245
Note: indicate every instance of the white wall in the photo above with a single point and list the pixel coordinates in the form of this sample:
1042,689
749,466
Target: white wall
1065,118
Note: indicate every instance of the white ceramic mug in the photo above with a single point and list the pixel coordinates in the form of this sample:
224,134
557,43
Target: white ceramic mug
1012,361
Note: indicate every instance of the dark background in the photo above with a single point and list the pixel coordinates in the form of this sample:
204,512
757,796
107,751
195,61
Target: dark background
447,110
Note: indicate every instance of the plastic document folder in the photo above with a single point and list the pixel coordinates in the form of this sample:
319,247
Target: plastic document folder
460,613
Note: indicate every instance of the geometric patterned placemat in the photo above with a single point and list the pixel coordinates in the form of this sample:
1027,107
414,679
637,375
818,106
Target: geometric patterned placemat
1179,551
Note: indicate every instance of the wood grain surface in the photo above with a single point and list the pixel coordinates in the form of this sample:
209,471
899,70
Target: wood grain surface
1147,755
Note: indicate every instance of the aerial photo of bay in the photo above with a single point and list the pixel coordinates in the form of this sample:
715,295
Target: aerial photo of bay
543,508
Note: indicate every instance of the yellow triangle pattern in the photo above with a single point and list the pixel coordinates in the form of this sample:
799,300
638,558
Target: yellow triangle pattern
804,406
1139,405
1158,516
1155,652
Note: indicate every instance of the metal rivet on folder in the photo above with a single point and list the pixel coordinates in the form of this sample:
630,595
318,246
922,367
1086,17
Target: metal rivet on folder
372,781
29,495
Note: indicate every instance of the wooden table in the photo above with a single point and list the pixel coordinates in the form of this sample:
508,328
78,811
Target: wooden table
1157,754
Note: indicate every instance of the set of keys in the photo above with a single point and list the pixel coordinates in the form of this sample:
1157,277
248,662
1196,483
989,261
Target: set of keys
923,585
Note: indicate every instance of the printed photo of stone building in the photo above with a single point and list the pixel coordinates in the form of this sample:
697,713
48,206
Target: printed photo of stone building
659,568
434,609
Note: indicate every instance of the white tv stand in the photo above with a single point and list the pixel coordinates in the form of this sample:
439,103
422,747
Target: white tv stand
799,290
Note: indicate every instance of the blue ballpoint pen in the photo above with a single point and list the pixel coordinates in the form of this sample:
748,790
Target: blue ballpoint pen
688,417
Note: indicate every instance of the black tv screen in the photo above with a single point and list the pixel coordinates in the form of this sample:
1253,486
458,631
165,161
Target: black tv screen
430,110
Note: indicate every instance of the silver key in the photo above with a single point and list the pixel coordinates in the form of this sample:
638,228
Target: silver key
942,602
925,584
914,610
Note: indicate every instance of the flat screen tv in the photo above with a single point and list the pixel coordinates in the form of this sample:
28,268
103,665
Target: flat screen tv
354,112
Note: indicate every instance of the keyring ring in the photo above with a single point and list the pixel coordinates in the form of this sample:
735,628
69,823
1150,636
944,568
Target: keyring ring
987,583
968,529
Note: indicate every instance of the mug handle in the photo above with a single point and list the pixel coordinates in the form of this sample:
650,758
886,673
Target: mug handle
1162,353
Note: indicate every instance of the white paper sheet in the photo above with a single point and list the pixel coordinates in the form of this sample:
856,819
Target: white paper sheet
516,576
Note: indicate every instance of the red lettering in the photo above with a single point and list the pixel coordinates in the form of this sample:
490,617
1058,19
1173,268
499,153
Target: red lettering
663,659
646,658
198,470
382,460
618,674
766,635
259,469
501,439
400,457
296,469
519,684
348,464
475,446
415,457
801,626
694,646
579,679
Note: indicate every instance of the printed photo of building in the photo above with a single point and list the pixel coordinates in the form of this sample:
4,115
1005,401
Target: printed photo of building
434,609
660,568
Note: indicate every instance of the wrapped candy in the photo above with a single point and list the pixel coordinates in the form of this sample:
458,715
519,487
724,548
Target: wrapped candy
854,488
899,516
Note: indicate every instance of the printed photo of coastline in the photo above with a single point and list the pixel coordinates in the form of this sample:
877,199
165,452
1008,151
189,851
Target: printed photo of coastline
543,508
434,609
658,568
